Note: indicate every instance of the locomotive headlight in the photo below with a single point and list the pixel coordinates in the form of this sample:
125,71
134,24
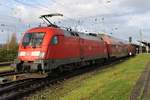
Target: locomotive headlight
33,53
21,53
38,54
42,54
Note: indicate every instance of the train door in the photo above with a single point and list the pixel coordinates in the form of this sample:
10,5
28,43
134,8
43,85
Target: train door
108,50
81,48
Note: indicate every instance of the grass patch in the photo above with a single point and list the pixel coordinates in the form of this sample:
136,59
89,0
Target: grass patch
112,83
6,68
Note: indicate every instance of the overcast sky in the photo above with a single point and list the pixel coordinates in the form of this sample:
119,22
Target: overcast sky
122,18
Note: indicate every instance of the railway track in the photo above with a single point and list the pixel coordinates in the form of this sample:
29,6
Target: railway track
19,89
5,63
25,87
7,73
15,90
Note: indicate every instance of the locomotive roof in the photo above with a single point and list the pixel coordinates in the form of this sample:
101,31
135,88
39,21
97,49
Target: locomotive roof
82,35
89,36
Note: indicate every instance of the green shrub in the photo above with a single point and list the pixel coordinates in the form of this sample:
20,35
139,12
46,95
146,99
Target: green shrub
8,54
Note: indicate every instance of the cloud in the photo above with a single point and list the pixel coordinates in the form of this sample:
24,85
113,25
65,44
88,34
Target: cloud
128,16
137,6
71,9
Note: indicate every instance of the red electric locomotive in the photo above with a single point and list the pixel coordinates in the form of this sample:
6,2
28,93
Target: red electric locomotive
44,49
47,48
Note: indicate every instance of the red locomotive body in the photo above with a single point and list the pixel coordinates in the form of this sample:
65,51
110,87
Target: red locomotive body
47,48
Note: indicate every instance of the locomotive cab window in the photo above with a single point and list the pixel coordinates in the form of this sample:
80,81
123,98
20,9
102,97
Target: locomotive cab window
33,39
54,40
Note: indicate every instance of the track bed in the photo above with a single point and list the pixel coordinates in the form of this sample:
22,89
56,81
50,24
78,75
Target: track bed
26,85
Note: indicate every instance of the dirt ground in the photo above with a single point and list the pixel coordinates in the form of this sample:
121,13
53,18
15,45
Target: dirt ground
141,90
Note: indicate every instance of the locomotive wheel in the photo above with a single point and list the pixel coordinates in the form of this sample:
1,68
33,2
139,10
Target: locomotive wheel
26,68
39,68
19,67
58,70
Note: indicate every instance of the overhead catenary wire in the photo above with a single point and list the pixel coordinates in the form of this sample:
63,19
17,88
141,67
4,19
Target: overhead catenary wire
47,9
31,5
44,8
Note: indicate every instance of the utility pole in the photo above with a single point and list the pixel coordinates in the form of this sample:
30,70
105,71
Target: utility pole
147,48
141,40
103,23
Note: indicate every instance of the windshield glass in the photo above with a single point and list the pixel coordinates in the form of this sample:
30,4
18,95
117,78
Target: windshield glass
33,39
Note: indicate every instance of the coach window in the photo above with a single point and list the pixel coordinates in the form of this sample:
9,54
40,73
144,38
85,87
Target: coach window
54,40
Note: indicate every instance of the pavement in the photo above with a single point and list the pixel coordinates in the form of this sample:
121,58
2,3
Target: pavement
141,90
